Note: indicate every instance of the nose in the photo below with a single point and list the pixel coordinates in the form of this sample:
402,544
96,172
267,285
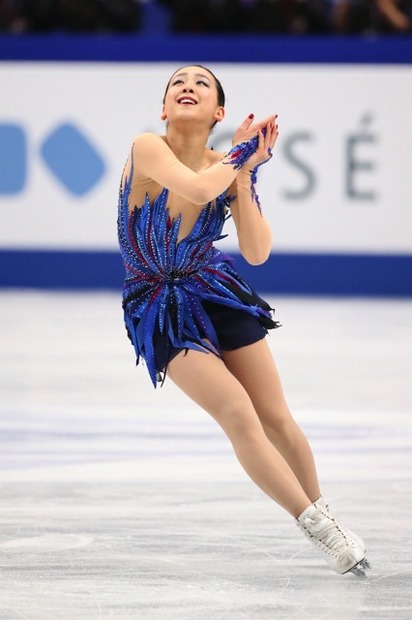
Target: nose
187,89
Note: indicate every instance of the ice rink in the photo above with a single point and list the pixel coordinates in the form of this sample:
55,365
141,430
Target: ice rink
123,502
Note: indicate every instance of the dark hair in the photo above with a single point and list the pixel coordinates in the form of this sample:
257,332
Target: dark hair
220,92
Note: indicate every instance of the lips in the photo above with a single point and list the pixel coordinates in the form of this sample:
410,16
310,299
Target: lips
186,101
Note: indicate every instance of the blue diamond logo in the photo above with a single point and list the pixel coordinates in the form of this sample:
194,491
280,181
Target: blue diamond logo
13,159
72,159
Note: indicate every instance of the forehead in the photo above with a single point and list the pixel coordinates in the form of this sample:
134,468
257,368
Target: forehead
196,71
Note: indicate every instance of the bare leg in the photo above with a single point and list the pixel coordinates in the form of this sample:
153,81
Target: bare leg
207,381
255,369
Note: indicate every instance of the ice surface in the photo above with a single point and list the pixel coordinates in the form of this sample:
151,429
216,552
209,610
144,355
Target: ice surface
121,502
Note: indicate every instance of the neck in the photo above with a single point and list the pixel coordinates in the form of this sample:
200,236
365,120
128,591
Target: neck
188,144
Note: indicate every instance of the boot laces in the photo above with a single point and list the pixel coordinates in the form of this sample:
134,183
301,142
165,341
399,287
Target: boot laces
328,534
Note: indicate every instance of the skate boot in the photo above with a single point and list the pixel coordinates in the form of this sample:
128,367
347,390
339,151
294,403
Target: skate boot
325,508
341,551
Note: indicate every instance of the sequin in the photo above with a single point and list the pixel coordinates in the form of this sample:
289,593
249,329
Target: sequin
240,153
167,279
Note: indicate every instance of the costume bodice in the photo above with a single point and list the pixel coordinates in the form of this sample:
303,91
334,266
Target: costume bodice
167,279
149,238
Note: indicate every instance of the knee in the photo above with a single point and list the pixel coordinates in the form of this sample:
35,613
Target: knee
280,428
240,422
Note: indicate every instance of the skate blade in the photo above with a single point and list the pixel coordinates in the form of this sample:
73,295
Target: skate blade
360,569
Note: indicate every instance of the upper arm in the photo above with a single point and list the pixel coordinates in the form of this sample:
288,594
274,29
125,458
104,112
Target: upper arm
155,160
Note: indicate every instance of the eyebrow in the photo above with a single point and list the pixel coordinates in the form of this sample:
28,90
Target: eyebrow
196,75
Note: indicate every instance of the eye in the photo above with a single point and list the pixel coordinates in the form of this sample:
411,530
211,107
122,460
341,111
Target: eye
202,82
177,82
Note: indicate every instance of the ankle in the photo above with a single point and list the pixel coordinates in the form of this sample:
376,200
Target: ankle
308,509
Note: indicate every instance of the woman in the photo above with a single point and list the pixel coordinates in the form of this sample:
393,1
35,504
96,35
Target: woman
190,315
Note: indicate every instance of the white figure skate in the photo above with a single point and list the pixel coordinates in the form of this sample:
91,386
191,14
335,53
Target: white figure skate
326,509
342,552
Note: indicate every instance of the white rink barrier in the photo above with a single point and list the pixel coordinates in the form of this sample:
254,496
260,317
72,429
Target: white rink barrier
339,182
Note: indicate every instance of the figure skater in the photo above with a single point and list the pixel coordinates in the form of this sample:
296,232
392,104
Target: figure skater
189,314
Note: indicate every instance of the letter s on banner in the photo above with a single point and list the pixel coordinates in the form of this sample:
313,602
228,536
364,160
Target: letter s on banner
309,176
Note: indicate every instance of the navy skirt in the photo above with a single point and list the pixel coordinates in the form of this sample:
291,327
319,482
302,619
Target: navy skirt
234,329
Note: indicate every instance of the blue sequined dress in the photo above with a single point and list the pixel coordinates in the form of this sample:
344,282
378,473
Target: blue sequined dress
170,284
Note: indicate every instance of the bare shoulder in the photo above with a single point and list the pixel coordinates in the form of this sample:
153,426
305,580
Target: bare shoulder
149,140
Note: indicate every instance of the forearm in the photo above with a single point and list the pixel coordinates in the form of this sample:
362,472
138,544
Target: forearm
233,163
212,182
158,162
253,231
396,18
237,160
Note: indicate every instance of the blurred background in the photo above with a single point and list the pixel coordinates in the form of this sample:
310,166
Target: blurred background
119,501
297,17
80,78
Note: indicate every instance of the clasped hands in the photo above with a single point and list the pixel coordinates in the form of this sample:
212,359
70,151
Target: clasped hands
267,132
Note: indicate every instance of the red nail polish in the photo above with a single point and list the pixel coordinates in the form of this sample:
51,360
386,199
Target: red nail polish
251,115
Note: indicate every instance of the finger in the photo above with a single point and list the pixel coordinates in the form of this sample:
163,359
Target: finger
248,121
264,122
274,134
269,135
268,119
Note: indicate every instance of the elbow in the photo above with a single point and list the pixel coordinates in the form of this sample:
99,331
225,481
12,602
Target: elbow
257,260
257,253
256,257
200,198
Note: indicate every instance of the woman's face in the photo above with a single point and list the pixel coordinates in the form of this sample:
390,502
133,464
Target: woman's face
192,96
